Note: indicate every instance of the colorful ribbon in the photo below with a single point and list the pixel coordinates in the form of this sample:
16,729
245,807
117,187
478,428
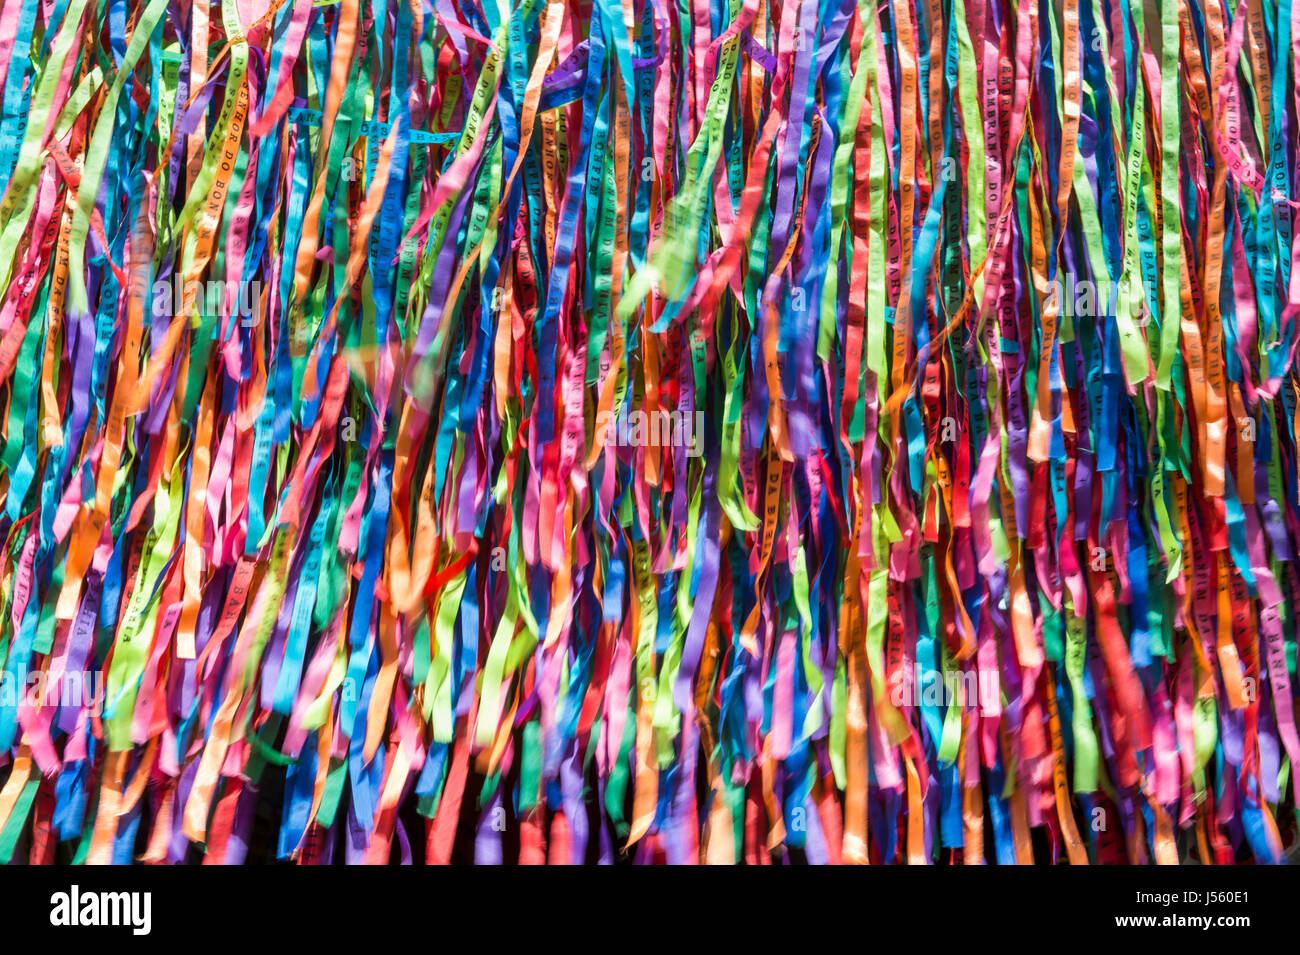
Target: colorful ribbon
712,430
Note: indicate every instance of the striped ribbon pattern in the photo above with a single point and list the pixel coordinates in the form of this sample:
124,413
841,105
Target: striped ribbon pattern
656,430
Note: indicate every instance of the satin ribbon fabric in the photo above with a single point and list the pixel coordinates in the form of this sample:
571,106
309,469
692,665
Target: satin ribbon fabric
649,430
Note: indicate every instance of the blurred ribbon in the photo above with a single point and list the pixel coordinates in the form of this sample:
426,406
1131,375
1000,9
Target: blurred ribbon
725,430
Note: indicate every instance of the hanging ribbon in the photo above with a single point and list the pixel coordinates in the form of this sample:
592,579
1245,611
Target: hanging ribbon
713,431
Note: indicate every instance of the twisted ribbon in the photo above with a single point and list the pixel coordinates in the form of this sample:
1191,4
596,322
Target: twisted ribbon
721,430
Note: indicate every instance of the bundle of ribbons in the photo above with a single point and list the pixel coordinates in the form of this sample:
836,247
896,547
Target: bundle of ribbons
648,431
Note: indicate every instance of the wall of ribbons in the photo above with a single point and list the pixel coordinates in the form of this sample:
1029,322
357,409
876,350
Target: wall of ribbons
653,431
